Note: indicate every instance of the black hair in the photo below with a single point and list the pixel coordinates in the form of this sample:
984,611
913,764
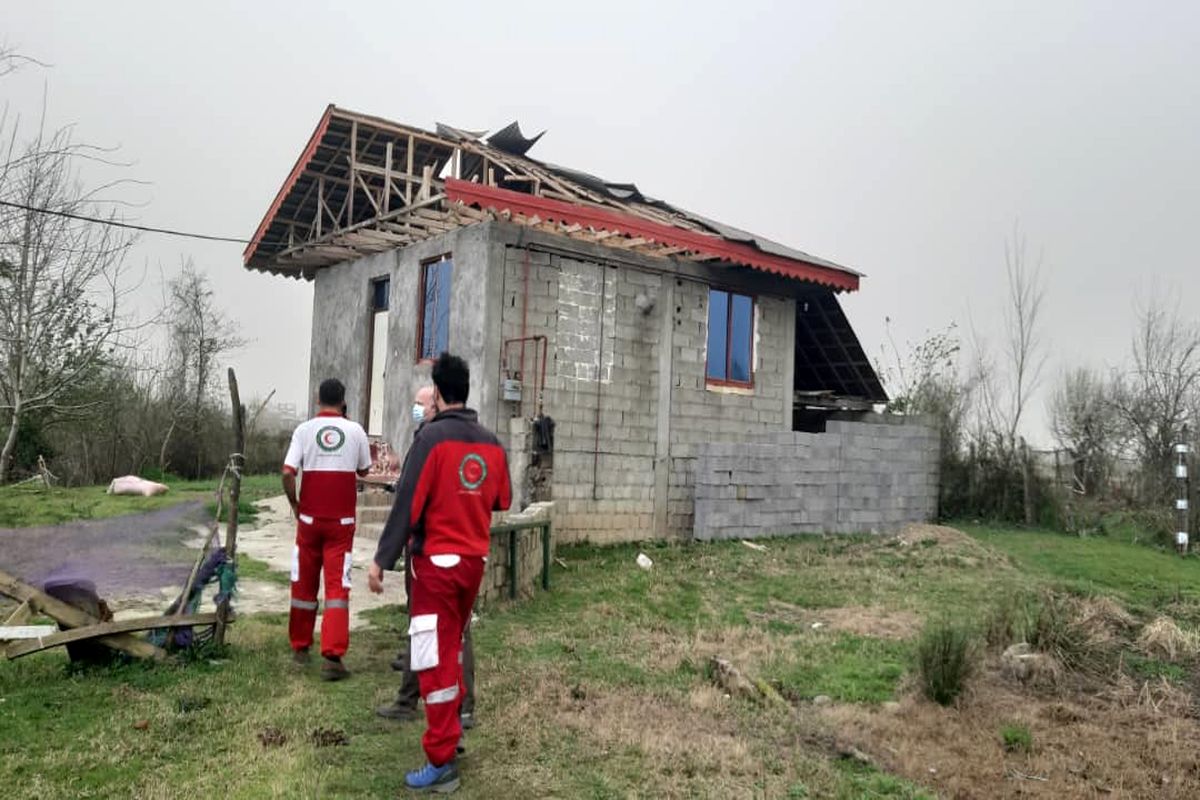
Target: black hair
452,377
332,393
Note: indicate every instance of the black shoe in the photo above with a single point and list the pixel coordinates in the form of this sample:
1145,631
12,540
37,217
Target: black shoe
300,658
395,710
399,664
332,669
467,719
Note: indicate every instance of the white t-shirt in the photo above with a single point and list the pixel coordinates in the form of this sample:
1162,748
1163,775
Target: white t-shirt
330,450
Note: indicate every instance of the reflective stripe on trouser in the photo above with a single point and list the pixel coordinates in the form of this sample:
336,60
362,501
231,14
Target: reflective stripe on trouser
449,593
322,546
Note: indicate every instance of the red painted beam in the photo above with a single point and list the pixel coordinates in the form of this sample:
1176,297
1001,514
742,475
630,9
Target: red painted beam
292,177
495,199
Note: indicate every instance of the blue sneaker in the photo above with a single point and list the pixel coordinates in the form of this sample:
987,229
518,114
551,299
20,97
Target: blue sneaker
442,780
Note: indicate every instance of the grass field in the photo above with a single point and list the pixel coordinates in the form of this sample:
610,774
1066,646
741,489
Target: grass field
601,688
30,505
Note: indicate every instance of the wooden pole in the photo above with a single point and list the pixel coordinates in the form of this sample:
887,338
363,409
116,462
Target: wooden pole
237,460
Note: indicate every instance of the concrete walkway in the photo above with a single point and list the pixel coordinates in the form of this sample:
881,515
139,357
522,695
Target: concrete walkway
271,540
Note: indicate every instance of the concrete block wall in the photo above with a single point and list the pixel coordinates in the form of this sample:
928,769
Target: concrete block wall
701,414
871,475
601,367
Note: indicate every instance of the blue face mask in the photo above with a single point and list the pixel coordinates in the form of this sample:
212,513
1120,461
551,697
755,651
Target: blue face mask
418,413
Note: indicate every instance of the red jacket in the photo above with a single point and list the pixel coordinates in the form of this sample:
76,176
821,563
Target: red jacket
454,476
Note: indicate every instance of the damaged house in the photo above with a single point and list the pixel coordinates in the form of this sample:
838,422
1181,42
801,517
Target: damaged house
654,372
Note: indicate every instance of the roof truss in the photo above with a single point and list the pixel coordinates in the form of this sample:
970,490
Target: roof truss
365,185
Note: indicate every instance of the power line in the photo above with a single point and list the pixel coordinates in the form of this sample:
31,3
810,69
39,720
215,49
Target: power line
116,224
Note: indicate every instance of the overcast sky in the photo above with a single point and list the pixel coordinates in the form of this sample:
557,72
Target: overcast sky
903,139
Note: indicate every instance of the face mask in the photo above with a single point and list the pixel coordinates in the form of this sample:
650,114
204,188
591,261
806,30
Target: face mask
418,413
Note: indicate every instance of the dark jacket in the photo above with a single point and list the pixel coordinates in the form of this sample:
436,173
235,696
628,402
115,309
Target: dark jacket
454,476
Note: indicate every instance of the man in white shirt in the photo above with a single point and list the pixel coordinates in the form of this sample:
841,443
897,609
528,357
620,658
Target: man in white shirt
330,452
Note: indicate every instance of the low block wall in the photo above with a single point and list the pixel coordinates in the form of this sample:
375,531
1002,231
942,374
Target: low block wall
497,577
857,477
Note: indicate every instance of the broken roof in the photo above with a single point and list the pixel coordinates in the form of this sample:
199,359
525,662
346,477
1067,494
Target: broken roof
364,185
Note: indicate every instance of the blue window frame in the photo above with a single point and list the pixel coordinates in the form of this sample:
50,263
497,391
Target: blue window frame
433,336
730,338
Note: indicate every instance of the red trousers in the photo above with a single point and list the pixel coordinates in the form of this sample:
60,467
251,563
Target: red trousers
443,594
321,543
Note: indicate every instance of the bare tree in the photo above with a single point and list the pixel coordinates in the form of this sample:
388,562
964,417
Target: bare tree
1005,386
1085,423
1157,397
199,335
61,282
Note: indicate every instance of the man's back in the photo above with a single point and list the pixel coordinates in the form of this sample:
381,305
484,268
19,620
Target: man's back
455,476
329,450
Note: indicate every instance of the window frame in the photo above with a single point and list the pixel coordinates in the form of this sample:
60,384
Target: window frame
730,293
425,265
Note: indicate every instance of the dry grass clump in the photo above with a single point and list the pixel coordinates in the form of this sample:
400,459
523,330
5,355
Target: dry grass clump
1164,638
1105,613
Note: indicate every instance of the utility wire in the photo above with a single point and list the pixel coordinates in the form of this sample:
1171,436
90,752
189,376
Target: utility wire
116,224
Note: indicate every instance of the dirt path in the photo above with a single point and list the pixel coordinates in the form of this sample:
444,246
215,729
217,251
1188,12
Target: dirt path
135,559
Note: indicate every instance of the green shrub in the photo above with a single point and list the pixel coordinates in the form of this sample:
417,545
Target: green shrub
946,655
1016,738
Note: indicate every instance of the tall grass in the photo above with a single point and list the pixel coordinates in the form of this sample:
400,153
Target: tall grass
946,660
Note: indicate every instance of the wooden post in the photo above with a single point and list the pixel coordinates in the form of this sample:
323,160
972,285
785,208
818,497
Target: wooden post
237,460
387,179
353,168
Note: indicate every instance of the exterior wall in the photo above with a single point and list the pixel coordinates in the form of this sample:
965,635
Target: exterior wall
624,379
874,475
626,388
701,415
341,314
601,386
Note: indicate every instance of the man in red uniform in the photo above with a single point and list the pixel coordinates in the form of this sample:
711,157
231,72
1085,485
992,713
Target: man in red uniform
454,477
330,451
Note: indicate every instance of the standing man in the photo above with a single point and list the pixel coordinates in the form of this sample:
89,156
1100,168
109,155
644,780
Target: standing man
330,451
404,707
455,476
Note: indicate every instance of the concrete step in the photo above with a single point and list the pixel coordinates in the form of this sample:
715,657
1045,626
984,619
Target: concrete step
374,496
373,515
369,530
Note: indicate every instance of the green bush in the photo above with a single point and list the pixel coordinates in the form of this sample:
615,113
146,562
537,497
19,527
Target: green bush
946,657
1016,738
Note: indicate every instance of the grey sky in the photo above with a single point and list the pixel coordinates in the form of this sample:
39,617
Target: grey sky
903,139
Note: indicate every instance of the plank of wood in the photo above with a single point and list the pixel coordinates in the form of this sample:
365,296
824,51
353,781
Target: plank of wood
13,632
71,617
105,630
18,617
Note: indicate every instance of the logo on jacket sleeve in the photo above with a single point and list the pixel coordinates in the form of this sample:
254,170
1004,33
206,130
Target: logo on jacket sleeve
330,438
472,471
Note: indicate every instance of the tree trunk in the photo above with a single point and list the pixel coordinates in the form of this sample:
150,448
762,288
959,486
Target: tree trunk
10,444
162,451
1027,480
